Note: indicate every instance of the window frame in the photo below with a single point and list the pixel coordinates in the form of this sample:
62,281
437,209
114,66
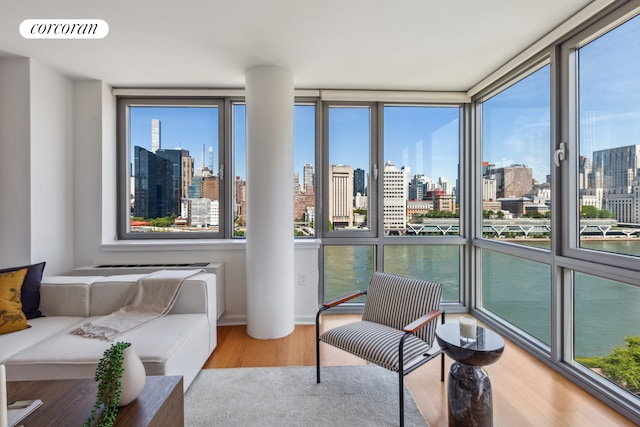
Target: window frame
376,237
123,149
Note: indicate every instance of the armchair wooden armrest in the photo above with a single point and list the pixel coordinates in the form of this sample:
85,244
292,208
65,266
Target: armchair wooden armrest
422,321
343,298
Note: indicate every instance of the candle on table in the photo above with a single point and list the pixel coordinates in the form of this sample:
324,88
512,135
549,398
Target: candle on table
468,327
3,397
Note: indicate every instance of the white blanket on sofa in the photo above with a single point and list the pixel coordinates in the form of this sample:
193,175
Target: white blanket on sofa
151,297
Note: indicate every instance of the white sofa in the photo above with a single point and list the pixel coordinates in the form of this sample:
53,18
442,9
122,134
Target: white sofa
176,344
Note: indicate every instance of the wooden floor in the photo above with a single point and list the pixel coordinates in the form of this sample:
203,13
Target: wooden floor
525,391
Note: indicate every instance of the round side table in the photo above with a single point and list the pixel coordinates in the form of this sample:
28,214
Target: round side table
469,389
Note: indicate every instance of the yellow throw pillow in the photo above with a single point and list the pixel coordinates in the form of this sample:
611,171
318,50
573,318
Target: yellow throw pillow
11,316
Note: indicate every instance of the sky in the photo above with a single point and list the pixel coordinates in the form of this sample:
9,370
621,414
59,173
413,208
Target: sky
516,121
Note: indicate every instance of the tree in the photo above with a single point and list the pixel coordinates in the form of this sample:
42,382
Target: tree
622,365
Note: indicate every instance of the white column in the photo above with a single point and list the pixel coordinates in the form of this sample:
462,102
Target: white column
270,250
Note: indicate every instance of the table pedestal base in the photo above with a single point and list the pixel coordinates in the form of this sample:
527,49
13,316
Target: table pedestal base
470,397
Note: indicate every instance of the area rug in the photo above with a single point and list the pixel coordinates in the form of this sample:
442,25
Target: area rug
349,396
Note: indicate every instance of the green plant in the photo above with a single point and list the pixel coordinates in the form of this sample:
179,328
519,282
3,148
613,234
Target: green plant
109,374
622,365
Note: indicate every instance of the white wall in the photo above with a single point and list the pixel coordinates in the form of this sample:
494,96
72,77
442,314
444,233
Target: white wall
15,169
51,162
35,165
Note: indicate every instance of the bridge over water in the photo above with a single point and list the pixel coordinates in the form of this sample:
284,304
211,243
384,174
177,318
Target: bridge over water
524,227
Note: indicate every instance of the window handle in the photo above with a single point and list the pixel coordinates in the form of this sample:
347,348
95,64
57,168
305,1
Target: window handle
221,172
375,171
560,154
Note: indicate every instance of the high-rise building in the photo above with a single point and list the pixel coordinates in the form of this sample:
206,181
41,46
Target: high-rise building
394,198
341,196
186,173
155,135
359,183
613,182
175,160
210,187
308,177
155,187
513,181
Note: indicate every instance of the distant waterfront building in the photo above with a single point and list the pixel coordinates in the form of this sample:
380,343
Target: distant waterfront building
361,202
198,213
156,188
515,205
442,201
214,213
302,202
513,181
489,188
308,179
186,172
177,189
359,185
489,205
341,196
611,182
240,208
445,185
195,189
210,187
394,198
155,135
416,208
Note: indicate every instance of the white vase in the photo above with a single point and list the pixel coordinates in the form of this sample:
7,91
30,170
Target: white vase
133,376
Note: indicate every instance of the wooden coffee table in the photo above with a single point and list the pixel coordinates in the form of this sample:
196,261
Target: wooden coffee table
69,402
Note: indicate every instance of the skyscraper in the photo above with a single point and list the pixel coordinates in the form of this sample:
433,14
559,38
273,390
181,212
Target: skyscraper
155,135
308,177
358,182
394,198
155,186
341,196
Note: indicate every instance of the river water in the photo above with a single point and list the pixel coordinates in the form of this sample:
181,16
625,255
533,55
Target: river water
515,289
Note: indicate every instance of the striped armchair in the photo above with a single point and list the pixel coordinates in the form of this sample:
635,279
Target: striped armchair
397,329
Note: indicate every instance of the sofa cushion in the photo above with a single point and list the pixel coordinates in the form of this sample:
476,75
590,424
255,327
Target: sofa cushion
30,295
171,345
11,316
66,295
40,329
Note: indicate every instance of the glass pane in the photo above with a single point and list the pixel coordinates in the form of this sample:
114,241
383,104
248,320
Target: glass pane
239,115
174,170
348,175
606,333
516,180
521,296
609,139
304,191
422,158
437,263
347,269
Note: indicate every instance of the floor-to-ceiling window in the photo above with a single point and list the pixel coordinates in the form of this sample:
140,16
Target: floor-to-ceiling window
392,195
557,214
515,202
601,247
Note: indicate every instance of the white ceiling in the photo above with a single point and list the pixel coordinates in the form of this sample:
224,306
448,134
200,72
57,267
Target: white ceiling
327,44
